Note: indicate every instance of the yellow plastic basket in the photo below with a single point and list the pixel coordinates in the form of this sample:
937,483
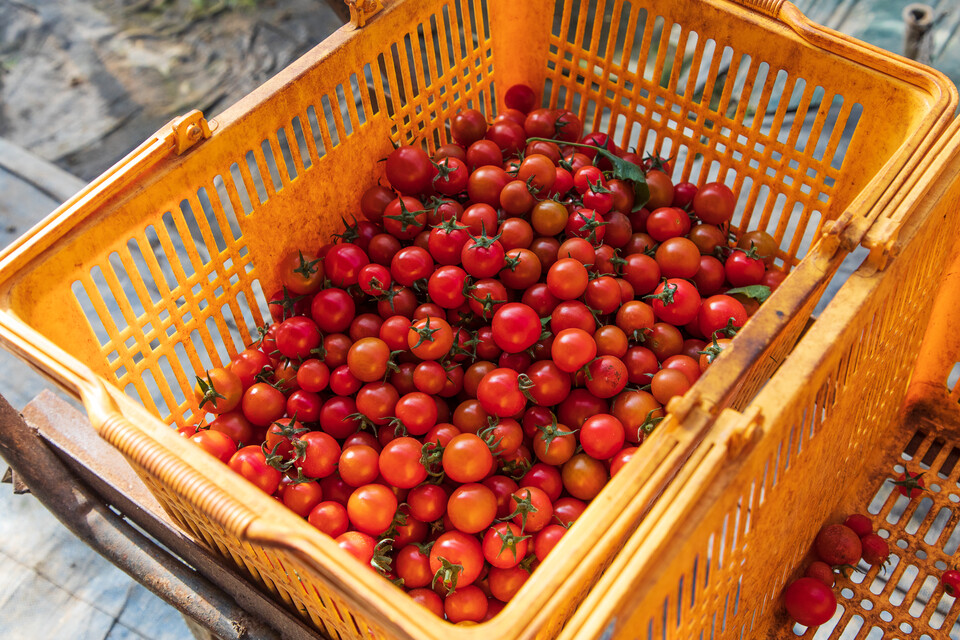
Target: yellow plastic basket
825,438
134,284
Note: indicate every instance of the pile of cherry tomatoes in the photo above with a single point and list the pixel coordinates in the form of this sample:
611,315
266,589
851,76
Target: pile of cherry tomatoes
447,385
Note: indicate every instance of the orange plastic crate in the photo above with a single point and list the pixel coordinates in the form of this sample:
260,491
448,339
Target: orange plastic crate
134,284
825,438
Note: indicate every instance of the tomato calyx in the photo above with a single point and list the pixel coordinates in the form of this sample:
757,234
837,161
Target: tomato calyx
911,482
431,457
591,224
209,391
666,296
382,561
300,479
486,435
750,253
728,331
366,424
657,163
425,333
483,241
551,432
424,547
448,574
525,384
307,268
597,187
713,349
527,563
585,369
617,262
845,570
406,218
486,303
349,234
265,375
288,303
544,331
389,295
649,423
443,169
516,469
399,429
274,459
450,224
511,262
261,334
391,362
523,508
533,189
399,520
456,349
596,315
509,540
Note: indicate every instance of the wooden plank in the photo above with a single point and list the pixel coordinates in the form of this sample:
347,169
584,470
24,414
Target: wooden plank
45,176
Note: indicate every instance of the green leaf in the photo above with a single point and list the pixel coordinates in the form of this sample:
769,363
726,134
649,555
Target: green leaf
622,169
758,292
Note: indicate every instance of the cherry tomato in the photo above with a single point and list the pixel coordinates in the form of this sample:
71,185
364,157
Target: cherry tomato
409,170
676,301
371,508
583,476
950,579
430,338
501,394
567,279
547,539
220,391
910,484
742,269
329,517
358,544
472,507
317,454
427,502
468,126
516,327
602,436
400,464
719,311
714,203
301,272
251,463
216,443
667,222
467,458
809,602
504,545
451,549
301,497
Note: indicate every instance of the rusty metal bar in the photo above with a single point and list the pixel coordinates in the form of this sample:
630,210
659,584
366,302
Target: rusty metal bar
116,540
67,433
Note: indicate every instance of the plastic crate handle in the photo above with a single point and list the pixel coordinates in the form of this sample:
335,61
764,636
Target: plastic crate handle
766,7
234,517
